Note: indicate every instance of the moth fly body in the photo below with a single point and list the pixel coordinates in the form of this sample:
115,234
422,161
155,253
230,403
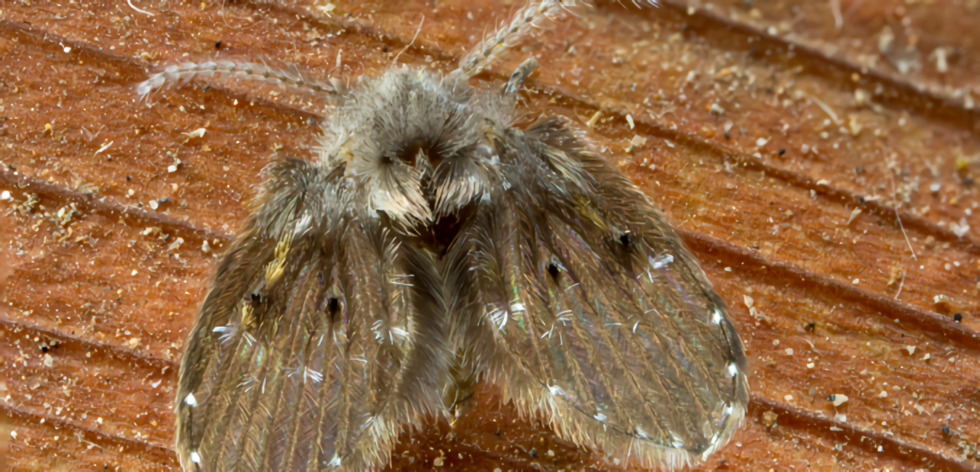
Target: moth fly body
433,245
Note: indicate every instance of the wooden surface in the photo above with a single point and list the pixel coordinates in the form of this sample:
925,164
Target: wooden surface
803,160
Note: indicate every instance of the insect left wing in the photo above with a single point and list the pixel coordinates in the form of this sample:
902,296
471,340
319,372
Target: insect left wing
303,357
600,320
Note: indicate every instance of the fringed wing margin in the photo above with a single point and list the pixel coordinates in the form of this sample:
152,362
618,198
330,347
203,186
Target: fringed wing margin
309,352
592,315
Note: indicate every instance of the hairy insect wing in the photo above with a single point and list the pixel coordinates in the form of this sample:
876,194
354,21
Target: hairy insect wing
433,245
323,368
594,314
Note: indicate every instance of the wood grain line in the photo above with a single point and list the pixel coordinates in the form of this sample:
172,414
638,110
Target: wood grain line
115,349
787,274
58,421
875,443
898,93
788,417
108,207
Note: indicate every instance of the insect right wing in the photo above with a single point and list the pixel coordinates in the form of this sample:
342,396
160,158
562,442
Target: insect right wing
590,314
306,353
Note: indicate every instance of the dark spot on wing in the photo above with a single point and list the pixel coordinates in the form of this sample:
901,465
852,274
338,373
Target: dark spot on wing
333,308
625,239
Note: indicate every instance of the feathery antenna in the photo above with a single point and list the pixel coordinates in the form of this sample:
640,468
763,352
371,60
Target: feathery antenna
523,21
287,76
520,25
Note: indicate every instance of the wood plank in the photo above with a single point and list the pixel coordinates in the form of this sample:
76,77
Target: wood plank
761,148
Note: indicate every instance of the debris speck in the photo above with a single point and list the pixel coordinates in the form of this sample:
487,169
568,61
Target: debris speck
636,142
910,349
176,244
5,195
883,394
788,398
943,302
48,360
861,97
595,119
885,39
826,109
438,461
854,214
856,281
205,247
960,229
838,399
198,133
789,351
761,142
629,119
326,8
939,55
854,125
769,418
104,147
135,272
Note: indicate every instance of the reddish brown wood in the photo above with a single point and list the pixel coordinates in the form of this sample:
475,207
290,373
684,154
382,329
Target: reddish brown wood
777,230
